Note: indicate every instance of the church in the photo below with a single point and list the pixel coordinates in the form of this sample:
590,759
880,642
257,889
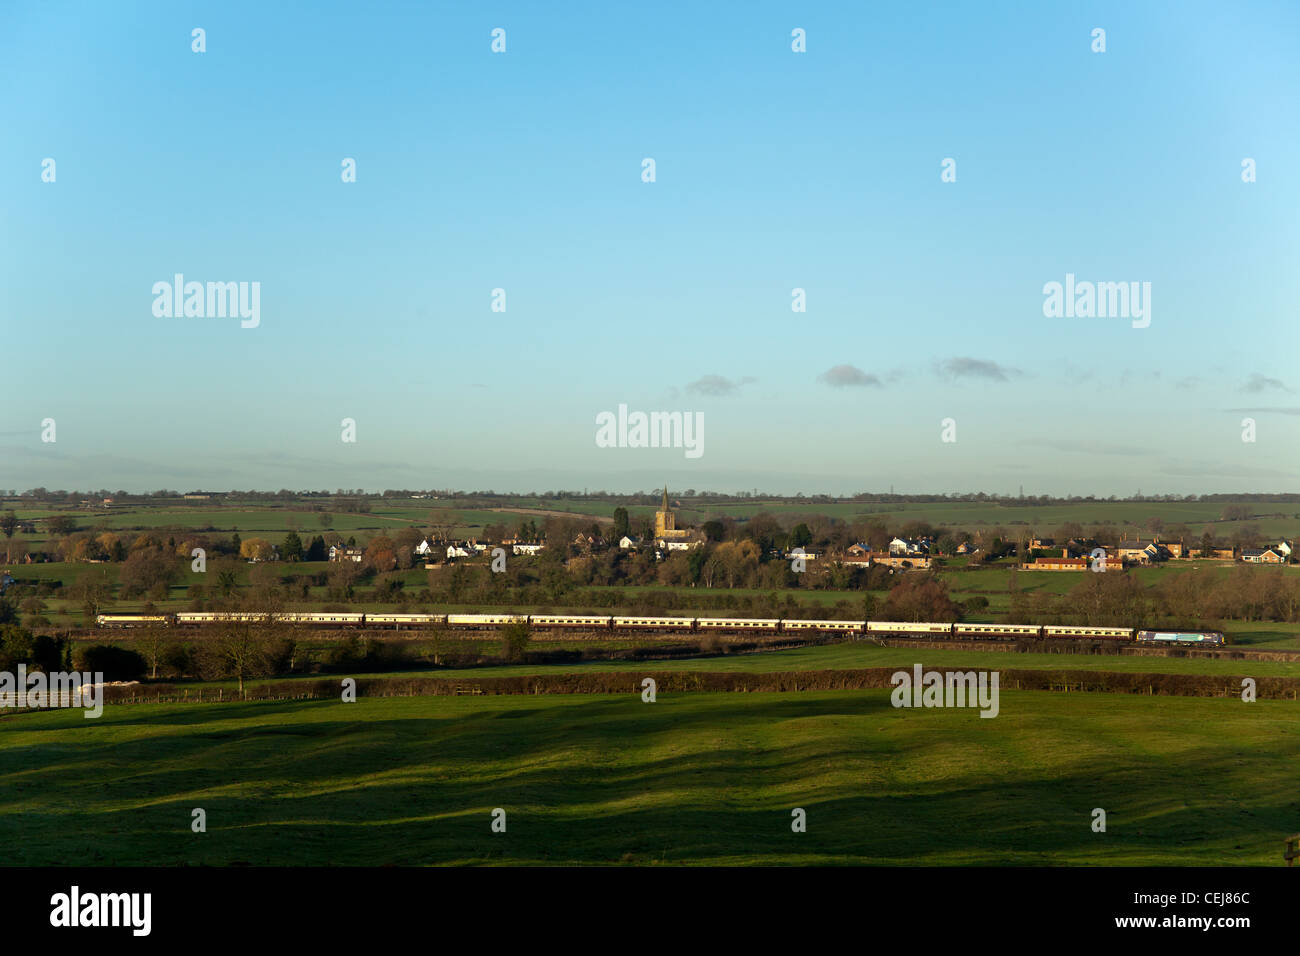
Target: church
668,536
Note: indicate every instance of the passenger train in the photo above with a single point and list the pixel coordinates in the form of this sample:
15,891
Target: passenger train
681,625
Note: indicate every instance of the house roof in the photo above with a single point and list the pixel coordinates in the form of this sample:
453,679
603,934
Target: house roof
1138,544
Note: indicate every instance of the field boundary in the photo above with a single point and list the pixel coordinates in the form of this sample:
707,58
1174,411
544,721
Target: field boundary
671,682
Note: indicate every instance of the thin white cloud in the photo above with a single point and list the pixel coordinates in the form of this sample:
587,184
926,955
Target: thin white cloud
986,369
717,385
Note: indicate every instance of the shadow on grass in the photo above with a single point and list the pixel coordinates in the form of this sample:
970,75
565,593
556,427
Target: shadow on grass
596,780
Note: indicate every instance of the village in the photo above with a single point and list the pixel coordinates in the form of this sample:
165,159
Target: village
923,552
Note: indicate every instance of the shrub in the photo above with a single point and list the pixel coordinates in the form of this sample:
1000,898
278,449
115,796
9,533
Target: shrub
514,640
47,653
365,654
115,663
178,657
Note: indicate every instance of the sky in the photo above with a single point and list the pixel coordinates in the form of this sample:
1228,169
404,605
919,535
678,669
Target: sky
774,170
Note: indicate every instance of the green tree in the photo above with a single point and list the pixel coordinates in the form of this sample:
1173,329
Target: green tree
145,571
291,550
226,581
62,524
457,582
8,523
556,582
514,640
621,523
15,646
763,528
1207,544
868,605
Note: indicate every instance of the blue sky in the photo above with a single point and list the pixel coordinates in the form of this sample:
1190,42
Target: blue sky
774,170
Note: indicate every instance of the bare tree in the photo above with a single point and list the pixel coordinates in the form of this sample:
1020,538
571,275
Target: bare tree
242,650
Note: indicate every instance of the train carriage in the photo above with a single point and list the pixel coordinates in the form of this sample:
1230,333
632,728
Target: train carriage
195,617
655,623
834,627
338,619
572,621
484,620
909,628
739,624
405,620
987,631
1070,631
221,617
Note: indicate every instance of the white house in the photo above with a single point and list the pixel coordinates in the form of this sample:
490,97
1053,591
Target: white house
629,543
669,544
424,548
527,548
906,546
458,551
339,553
1263,556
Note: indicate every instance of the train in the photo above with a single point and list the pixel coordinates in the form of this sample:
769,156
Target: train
680,625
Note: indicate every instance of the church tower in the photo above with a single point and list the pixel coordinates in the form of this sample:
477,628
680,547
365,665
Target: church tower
665,520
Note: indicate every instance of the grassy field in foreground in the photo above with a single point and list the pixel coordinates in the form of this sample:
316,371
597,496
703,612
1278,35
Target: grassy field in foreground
701,778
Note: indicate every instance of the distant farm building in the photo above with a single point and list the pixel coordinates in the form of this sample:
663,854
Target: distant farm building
1057,564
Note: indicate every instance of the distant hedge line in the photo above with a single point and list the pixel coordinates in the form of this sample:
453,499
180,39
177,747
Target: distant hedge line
668,682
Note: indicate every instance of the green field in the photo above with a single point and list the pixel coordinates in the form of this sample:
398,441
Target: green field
849,655
858,654
1272,519
691,779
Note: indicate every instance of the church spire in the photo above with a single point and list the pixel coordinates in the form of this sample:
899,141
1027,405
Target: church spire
665,497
